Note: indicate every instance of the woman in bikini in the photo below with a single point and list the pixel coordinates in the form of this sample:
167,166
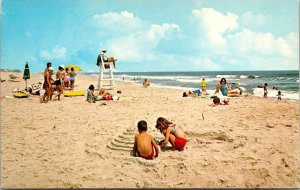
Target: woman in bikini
173,133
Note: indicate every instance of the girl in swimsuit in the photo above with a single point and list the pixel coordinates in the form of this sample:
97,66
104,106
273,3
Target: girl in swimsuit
66,78
223,87
72,77
173,133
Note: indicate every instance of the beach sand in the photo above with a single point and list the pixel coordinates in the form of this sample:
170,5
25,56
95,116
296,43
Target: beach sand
253,142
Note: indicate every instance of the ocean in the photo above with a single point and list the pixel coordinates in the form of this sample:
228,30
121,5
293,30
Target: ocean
285,81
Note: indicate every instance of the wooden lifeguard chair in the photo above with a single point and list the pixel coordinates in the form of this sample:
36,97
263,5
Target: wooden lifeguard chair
106,70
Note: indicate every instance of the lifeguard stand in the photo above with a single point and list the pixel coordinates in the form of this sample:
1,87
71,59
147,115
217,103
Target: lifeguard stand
106,70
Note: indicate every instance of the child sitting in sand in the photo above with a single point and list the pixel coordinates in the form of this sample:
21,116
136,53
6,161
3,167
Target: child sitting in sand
146,83
220,100
173,133
144,144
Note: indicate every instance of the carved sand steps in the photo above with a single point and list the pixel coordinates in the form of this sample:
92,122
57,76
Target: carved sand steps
123,141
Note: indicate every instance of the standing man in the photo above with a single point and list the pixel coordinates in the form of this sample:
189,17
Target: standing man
203,85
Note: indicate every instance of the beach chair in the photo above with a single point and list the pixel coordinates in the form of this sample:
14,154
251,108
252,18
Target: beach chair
35,88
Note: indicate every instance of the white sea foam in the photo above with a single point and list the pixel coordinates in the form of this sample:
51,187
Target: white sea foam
273,94
94,75
226,76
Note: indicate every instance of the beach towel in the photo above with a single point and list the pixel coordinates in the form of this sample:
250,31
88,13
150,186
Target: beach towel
74,93
20,95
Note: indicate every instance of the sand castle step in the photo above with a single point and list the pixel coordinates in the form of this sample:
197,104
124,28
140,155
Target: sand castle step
124,141
112,147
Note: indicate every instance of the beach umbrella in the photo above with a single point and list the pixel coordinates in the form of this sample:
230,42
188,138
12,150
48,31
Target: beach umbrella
26,74
76,68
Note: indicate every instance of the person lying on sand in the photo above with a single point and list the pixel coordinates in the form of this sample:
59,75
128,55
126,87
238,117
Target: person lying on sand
106,95
173,133
193,93
236,92
102,95
144,144
220,100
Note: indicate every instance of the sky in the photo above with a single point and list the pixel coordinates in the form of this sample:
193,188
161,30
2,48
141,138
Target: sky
151,35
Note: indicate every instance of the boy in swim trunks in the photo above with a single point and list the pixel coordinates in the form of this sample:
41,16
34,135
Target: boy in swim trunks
144,144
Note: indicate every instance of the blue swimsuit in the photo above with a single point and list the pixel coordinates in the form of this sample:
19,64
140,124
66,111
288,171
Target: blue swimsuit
224,90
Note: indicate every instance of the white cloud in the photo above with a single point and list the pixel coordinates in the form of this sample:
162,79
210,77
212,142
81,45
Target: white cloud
204,64
121,22
248,18
57,52
141,45
264,44
213,25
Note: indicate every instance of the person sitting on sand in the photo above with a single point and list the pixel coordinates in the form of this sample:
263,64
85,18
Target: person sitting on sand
144,144
223,87
220,100
146,83
173,133
91,95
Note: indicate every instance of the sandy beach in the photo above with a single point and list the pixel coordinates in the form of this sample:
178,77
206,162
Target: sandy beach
251,143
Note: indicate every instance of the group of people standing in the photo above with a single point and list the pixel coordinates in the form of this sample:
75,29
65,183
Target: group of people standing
65,79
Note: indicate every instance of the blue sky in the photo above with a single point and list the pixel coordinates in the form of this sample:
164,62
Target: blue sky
152,35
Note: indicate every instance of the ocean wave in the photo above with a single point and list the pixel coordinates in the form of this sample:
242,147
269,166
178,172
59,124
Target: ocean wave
226,76
284,78
190,80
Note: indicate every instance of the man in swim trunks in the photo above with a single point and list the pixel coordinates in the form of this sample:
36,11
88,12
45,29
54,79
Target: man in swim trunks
144,144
